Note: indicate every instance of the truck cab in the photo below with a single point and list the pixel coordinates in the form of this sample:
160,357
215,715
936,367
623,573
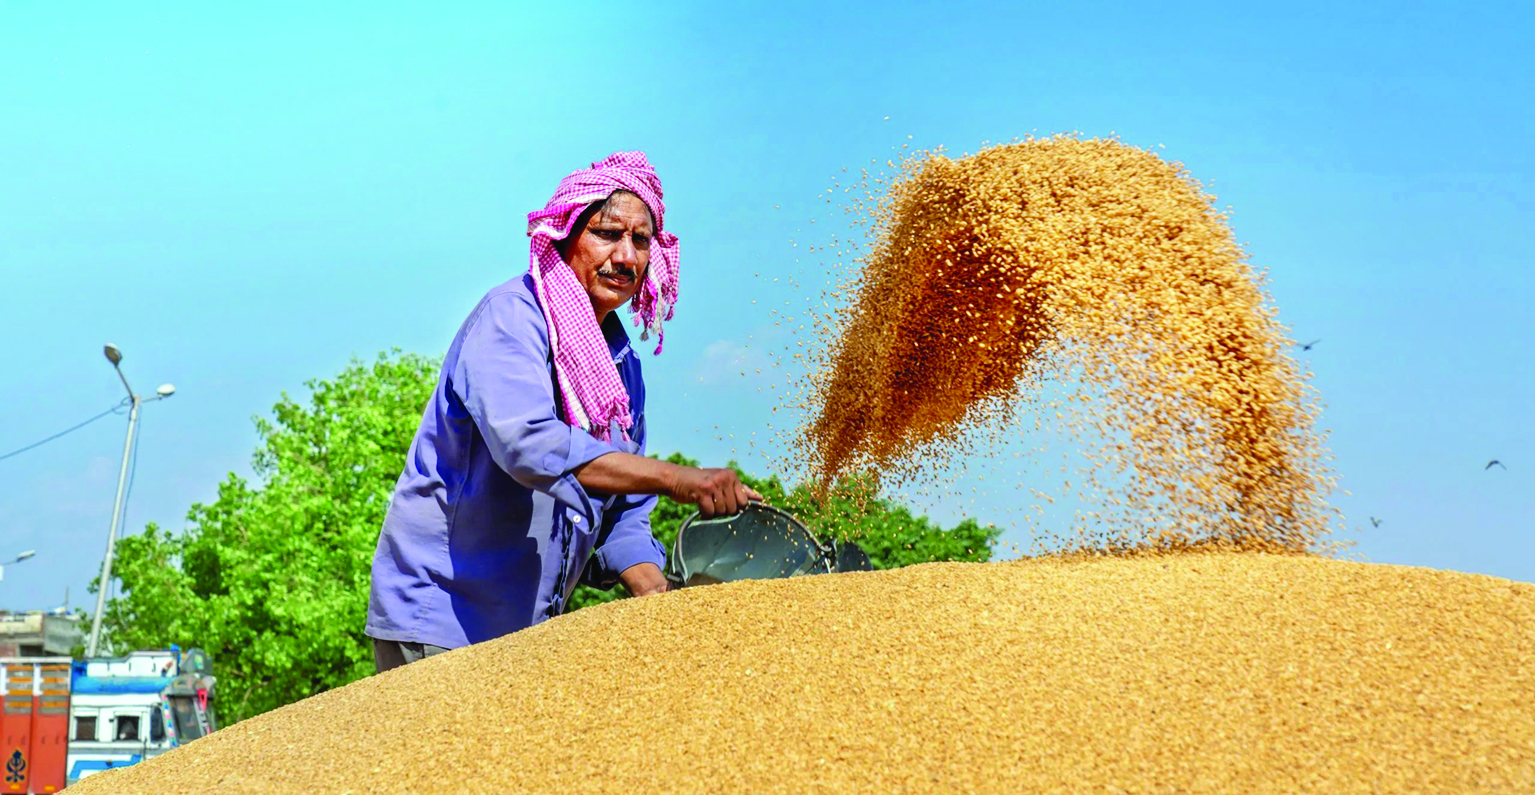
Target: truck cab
126,709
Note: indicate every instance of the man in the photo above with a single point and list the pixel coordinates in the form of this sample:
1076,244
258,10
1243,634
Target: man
531,454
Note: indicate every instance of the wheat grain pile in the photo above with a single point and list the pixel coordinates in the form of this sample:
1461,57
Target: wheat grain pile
1184,673
1095,287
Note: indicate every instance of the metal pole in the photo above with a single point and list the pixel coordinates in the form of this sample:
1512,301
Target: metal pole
117,514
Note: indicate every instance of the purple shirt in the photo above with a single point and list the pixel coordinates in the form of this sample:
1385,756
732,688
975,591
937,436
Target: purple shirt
488,531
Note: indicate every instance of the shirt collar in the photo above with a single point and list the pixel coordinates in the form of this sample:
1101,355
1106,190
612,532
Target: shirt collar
616,335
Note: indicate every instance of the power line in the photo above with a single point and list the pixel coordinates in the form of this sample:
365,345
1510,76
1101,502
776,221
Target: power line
64,432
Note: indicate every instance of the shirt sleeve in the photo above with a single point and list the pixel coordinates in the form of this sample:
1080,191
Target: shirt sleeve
502,378
626,538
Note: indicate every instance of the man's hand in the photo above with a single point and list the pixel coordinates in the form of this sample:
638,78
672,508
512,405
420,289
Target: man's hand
716,492
644,579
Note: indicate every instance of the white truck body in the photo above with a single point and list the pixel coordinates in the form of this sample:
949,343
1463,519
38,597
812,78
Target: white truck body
122,711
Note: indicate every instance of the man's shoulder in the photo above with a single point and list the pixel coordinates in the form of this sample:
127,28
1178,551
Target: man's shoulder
510,307
513,299
515,291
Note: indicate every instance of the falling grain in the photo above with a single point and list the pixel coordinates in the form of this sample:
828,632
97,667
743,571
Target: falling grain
1095,287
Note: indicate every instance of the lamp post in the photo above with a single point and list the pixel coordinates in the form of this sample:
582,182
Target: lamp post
19,558
115,356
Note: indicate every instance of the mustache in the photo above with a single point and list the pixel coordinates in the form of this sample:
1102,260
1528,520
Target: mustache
617,270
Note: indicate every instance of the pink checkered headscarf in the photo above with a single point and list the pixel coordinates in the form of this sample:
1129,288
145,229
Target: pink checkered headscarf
593,395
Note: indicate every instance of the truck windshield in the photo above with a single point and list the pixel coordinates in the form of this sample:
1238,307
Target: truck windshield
186,718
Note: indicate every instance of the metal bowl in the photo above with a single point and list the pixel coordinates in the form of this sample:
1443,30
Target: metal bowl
759,543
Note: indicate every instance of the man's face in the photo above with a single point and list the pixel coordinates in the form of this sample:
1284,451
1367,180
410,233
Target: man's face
610,255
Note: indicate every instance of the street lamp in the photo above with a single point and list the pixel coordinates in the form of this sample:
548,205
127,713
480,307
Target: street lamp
115,356
19,558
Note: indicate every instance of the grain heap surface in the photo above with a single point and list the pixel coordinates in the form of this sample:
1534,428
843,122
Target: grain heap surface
1186,673
1092,286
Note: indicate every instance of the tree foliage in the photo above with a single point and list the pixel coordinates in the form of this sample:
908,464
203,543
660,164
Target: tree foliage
272,577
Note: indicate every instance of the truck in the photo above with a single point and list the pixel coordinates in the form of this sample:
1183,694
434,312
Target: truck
140,705
34,724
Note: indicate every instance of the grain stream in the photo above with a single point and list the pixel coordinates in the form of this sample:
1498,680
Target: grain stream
1091,286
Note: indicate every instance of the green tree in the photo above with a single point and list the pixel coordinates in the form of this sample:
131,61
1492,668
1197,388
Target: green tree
272,577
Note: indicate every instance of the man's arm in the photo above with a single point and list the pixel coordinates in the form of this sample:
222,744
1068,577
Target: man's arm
716,492
630,548
626,545
644,579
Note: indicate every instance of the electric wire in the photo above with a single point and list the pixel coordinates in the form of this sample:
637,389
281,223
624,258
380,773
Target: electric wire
64,432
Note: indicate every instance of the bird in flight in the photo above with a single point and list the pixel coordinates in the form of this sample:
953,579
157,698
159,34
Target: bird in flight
1494,462
1307,346
1374,522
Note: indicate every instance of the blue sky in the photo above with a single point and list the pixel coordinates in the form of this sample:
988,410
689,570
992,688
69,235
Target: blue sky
243,200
